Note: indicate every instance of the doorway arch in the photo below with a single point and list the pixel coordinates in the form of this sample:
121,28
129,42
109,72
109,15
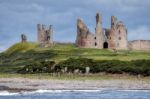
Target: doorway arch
105,45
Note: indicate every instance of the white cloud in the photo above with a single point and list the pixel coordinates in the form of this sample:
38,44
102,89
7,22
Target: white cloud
140,33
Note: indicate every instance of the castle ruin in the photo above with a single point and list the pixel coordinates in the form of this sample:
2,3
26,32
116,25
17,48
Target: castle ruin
45,35
113,38
23,38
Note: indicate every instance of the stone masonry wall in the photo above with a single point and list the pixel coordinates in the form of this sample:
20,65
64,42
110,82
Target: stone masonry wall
139,45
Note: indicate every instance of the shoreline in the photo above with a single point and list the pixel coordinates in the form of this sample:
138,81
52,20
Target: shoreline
19,84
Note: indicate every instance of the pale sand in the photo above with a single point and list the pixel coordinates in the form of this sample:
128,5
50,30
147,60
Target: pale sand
20,84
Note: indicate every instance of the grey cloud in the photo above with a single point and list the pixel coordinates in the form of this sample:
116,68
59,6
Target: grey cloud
21,16
137,34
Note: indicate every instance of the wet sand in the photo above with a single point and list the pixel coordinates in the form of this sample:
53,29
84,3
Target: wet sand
26,84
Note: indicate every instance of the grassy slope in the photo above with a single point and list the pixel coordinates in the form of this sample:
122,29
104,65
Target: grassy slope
21,47
20,54
65,51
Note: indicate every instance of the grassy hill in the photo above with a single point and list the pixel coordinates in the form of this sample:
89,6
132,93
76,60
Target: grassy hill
21,47
21,54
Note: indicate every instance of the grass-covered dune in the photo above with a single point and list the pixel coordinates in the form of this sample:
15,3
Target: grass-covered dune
21,54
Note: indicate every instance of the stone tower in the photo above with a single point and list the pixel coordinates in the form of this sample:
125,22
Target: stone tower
118,35
113,22
122,41
112,33
99,35
23,38
45,35
82,34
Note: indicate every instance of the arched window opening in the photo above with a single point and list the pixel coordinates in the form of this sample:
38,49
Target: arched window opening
95,44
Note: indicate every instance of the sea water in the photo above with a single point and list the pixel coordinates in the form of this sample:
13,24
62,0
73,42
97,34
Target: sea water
78,94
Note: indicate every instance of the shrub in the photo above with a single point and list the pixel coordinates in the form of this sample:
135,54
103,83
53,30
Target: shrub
73,64
109,66
38,67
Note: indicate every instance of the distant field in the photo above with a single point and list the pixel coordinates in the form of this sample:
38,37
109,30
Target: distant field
21,54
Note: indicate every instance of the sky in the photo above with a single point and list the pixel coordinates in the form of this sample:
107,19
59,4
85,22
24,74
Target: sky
22,16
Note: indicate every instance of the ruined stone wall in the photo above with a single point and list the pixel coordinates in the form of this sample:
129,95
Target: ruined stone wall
112,38
23,38
45,35
86,39
84,36
112,34
139,45
90,41
117,35
121,37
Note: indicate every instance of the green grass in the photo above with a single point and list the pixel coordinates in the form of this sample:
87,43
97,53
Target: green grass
21,47
21,54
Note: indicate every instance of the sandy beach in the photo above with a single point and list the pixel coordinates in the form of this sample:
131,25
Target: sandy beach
26,84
